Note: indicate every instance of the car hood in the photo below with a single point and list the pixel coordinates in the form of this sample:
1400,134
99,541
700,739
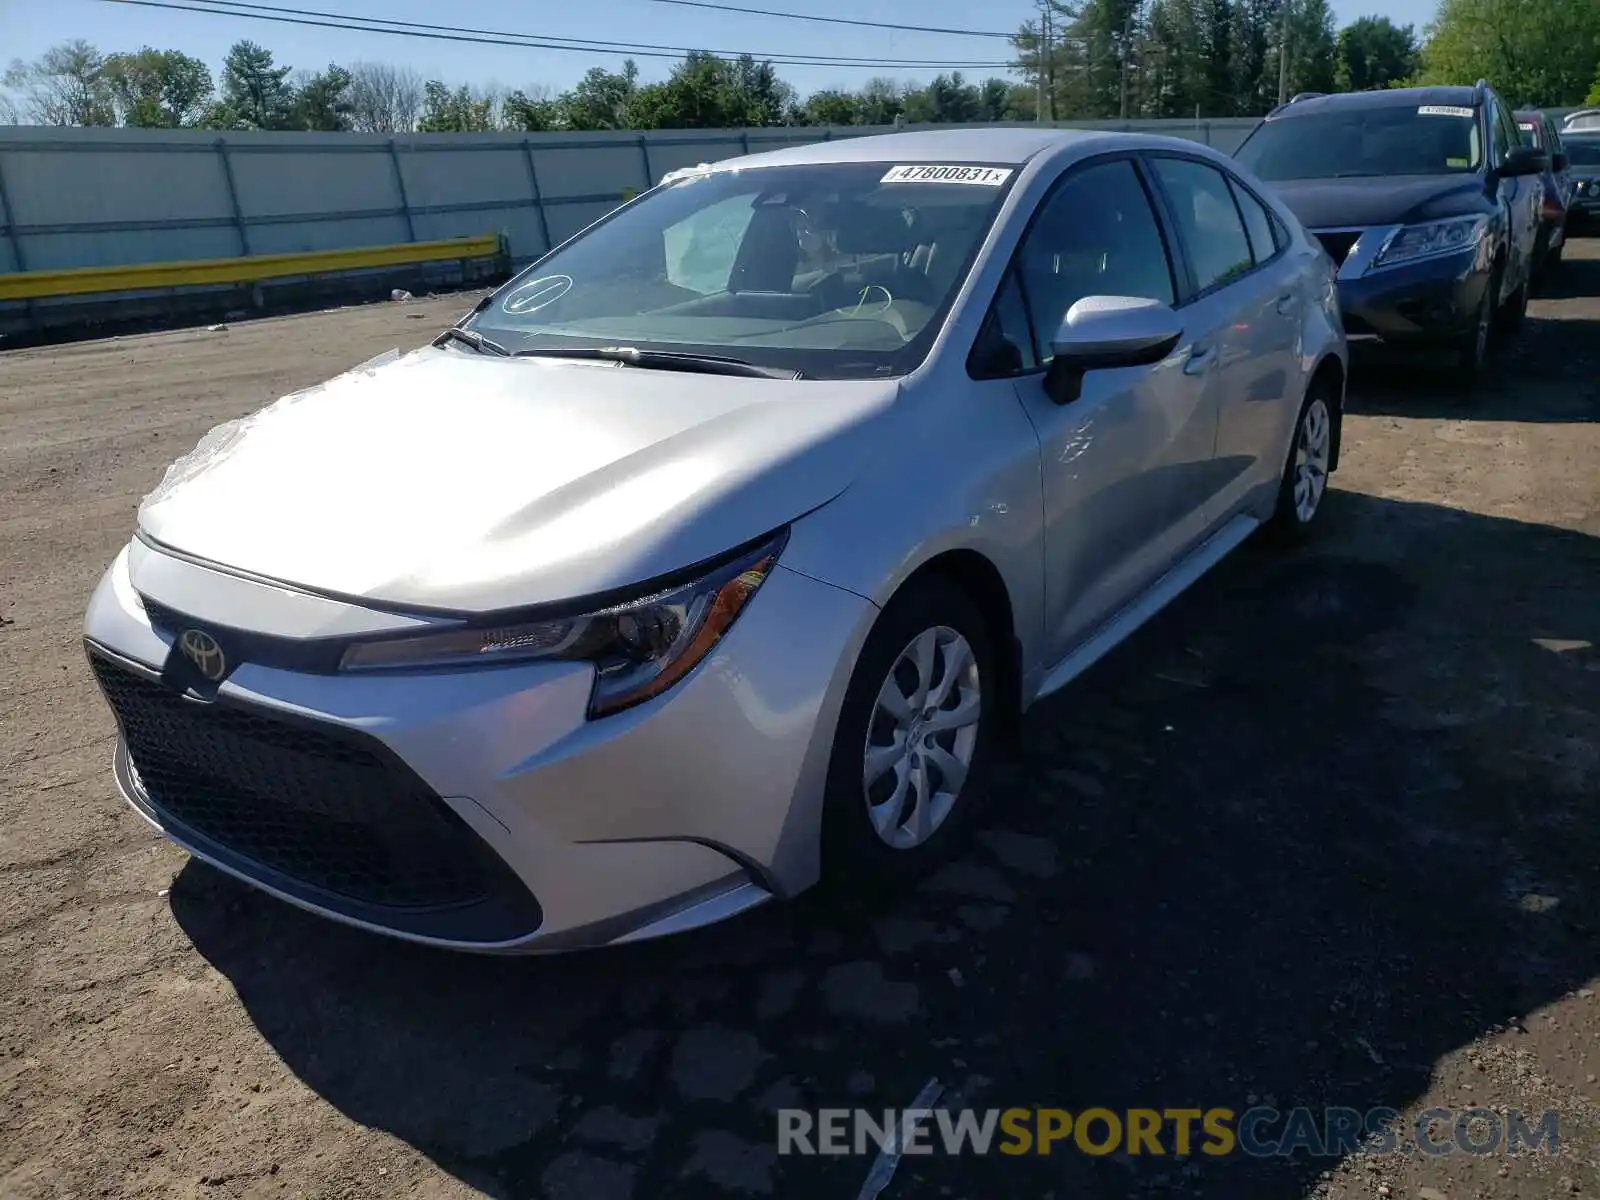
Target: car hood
1398,200
445,480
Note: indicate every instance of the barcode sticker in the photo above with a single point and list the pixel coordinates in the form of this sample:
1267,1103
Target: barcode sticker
1444,110
981,176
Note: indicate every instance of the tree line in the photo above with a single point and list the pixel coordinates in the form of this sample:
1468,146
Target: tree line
1079,59
75,84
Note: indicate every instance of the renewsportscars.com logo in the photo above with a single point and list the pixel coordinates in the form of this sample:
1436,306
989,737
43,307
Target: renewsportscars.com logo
1259,1132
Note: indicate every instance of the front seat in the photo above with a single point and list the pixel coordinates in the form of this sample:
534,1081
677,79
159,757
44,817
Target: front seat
770,252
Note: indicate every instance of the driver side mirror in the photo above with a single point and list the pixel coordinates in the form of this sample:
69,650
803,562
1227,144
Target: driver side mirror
1524,160
1102,332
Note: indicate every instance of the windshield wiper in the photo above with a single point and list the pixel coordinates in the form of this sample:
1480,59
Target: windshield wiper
476,340
663,360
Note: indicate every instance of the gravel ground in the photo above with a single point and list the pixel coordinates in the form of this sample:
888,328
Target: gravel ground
1322,834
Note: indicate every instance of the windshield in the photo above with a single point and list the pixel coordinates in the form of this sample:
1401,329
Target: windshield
838,270
1409,139
1532,133
1582,152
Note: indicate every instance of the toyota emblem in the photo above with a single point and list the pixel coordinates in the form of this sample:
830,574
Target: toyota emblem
200,648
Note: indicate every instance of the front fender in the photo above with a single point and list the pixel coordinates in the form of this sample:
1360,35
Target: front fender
965,475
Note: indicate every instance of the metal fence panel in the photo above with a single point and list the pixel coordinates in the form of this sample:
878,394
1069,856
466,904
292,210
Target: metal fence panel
104,197
275,184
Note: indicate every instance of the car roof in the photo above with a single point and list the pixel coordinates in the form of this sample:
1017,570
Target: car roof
1454,96
1014,145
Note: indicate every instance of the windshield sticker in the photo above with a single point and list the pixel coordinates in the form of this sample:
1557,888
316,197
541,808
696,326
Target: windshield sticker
1455,163
535,294
1444,110
982,176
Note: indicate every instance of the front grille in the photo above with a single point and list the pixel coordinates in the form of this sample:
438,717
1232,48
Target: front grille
327,808
1338,243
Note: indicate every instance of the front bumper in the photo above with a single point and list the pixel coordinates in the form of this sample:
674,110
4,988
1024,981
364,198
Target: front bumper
480,809
1429,302
1584,208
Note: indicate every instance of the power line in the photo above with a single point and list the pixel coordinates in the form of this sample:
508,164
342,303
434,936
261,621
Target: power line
550,40
263,12
794,16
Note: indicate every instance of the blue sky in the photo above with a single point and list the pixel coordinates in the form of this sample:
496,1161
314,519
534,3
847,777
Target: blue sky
27,27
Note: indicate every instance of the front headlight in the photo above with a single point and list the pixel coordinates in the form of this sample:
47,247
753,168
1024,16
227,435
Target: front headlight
1431,239
639,649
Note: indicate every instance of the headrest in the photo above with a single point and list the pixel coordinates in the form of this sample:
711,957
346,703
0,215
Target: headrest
863,230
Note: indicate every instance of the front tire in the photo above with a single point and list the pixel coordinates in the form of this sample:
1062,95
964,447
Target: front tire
916,737
1515,310
1472,352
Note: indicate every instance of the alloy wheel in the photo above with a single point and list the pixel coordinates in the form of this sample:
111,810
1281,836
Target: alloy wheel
1311,451
921,737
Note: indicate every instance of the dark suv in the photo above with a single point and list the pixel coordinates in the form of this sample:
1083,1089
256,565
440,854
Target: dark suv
1583,147
1426,199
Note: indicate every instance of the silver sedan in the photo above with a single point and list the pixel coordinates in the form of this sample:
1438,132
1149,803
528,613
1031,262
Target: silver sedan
715,553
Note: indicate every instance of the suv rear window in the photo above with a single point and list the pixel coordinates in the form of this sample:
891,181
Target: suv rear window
1408,139
1584,151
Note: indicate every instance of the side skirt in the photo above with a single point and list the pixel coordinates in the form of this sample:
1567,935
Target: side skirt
1160,594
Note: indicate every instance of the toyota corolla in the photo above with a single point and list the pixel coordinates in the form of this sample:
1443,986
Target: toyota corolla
719,550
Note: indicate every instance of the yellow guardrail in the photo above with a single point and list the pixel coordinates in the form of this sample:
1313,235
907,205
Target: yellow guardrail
141,277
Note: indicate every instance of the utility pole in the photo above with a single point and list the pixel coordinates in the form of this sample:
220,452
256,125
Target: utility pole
1050,60
1127,43
1044,63
1283,56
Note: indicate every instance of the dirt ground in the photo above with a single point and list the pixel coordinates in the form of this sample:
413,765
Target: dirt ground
1323,834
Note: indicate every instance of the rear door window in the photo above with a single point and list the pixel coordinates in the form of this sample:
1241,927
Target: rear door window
1209,220
1257,224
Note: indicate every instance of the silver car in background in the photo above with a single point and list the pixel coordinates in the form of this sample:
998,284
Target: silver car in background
719,549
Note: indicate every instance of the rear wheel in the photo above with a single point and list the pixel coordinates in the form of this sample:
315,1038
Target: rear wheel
916,735
1305,477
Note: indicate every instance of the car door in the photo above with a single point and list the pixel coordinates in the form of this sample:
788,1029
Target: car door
1117,462
1519,198
1245,290
1563,177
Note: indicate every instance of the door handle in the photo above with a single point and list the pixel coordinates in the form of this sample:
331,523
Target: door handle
1199,359
1285,304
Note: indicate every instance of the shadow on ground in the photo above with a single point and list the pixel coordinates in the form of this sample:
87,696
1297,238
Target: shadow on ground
1319,824
1548,370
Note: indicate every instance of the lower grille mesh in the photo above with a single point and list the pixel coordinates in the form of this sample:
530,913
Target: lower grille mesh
322,806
